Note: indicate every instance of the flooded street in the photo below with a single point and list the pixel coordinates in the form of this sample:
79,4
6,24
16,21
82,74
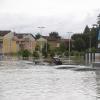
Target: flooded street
23,81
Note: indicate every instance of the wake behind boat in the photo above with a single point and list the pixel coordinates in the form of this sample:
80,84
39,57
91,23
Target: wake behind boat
65,66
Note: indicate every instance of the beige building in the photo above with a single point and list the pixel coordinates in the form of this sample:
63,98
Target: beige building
25,41
41,42
53,42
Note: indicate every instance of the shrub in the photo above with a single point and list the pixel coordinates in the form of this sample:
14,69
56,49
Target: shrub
24,53
35,54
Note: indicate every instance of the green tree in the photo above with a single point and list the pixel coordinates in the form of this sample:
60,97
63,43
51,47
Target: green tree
52,53
54,35
86,38
86,30
62,47
37,36
93,37
35,54
46,50
79,44
24,53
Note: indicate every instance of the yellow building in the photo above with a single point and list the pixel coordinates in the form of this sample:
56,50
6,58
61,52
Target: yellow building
11,42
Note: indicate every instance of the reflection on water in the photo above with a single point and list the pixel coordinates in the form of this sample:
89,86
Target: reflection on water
98,84
22,81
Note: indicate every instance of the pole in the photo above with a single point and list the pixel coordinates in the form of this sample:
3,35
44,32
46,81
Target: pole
41,41
69,45
46,46
69,50
90,40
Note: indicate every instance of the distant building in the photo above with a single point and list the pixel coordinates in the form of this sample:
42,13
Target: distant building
25,41
3,42
65,42
2,33
53,42
41,41
11,42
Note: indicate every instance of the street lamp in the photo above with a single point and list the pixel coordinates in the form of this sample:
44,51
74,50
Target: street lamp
90,40
42,27
69,44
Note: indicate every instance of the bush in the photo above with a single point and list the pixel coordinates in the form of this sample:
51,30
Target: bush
52,54
76,53
93,49
72,53
24,53
35,54
66,53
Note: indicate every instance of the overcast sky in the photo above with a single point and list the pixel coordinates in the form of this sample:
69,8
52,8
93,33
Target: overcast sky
55,15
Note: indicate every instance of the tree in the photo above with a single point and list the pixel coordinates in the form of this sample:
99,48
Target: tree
54,35
86,38
35,54
77,35
86,30
79,44
93,36
62,47
24,53
37,36
46,49
52,53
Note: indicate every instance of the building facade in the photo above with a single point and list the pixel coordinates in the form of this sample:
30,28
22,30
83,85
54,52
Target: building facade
25,41
11,43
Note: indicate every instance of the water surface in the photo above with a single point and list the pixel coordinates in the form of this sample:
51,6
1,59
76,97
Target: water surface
22,81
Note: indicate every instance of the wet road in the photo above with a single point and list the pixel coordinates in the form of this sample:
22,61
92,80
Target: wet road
23,81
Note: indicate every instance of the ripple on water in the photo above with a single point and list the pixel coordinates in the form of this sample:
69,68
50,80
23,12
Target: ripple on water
46,83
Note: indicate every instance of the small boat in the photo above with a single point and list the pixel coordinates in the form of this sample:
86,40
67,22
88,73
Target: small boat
57,61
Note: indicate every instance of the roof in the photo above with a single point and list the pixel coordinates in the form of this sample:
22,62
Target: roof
64,40
3,32
51,38
21,35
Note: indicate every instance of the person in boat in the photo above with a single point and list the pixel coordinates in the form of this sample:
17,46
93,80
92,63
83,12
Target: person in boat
57,61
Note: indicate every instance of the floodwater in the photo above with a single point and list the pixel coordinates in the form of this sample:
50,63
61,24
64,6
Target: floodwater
23,81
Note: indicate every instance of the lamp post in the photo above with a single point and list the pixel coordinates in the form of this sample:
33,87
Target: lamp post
90,41
41,28
69,49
